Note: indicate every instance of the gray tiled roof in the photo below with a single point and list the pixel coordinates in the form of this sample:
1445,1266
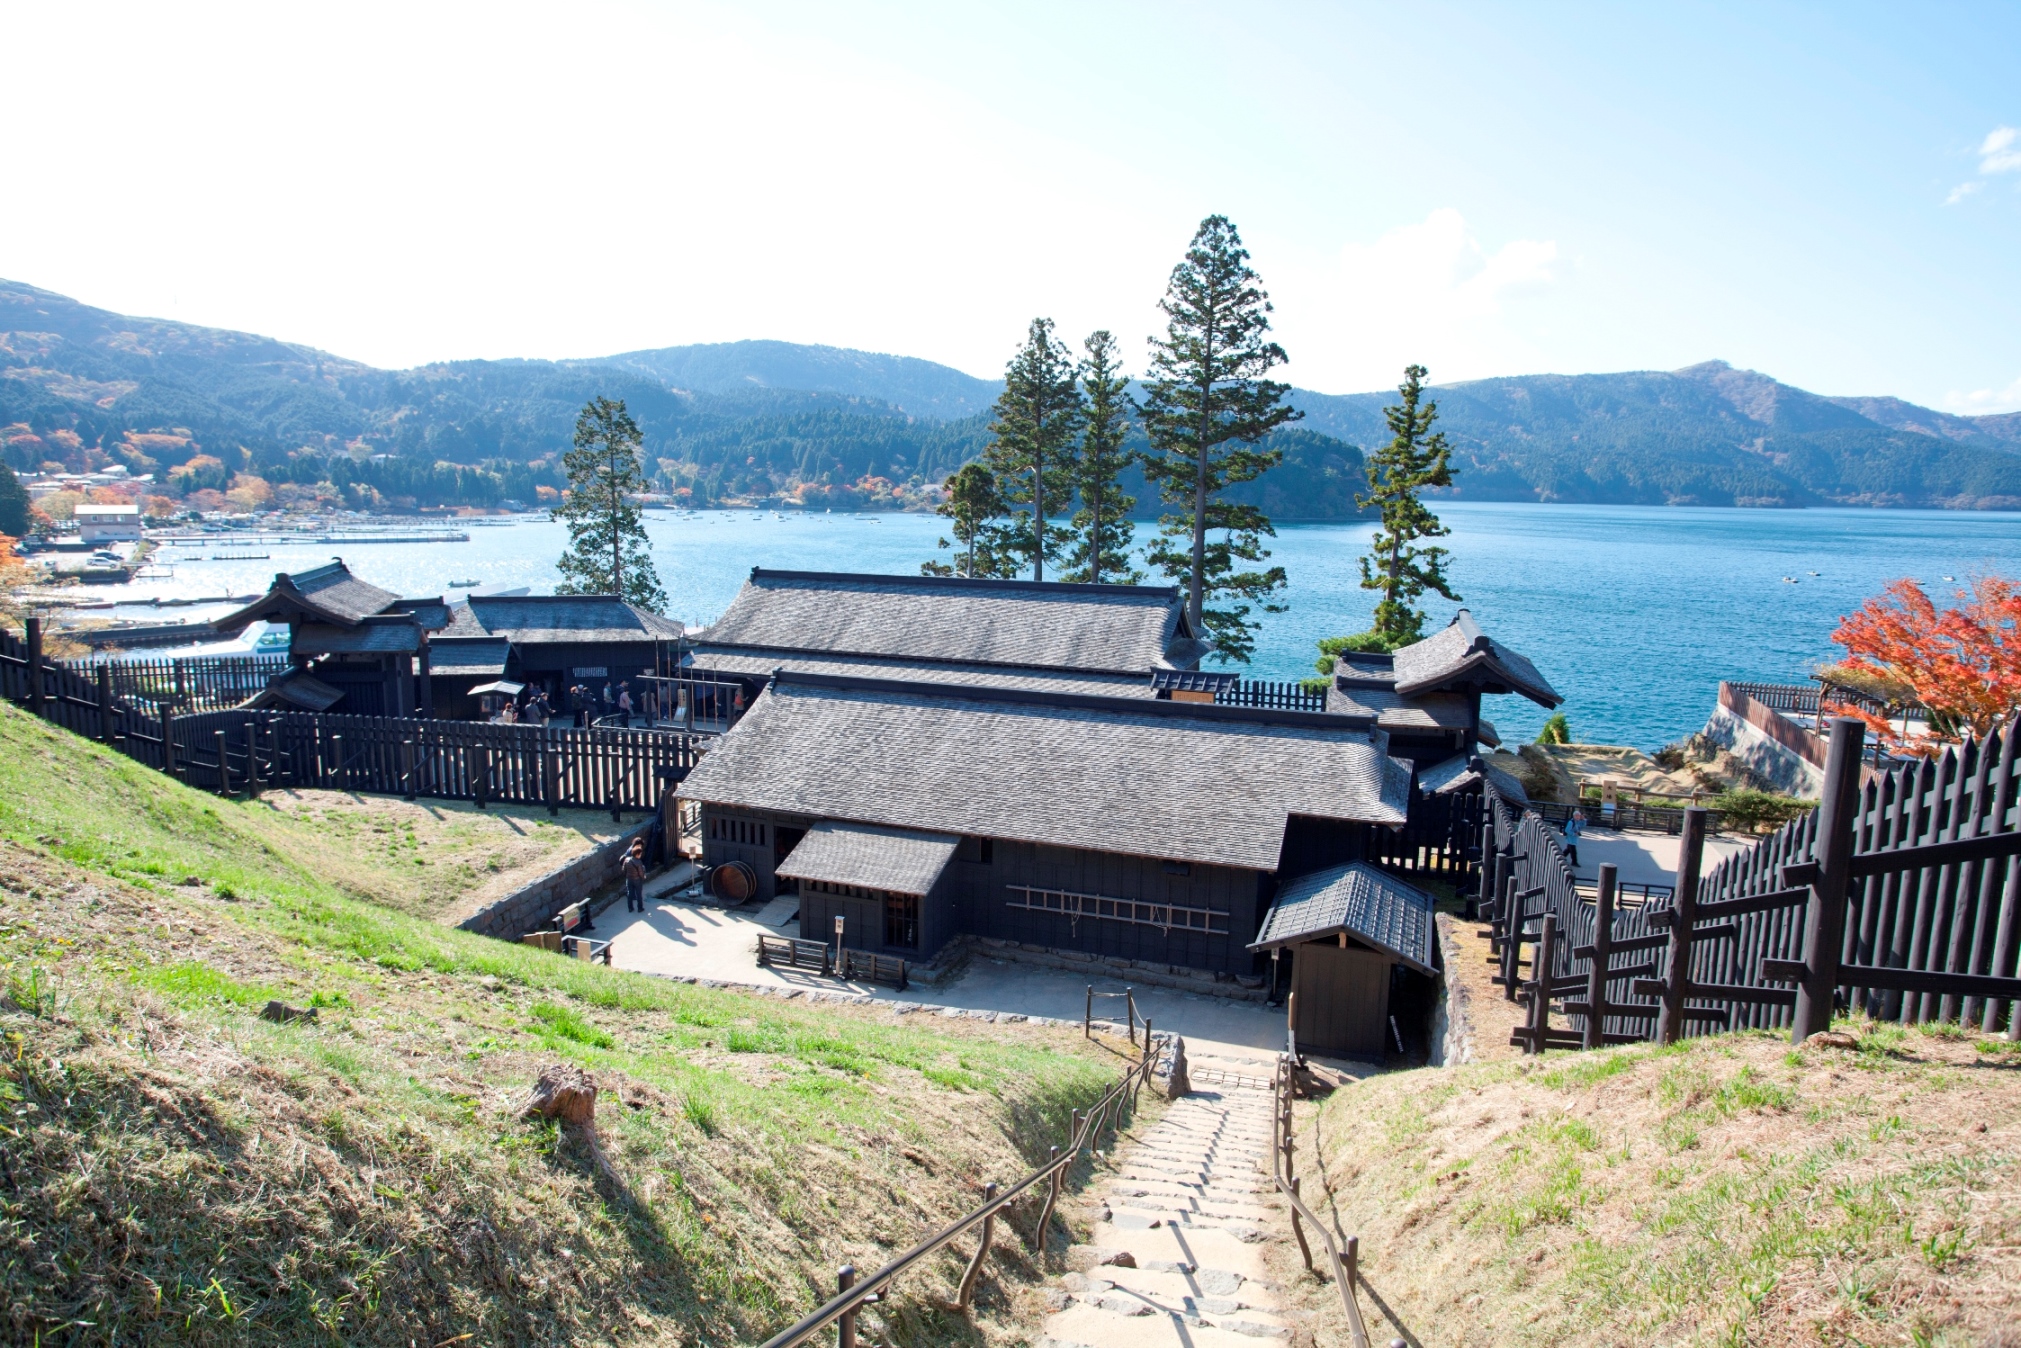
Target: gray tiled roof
1194,680
330,593
530,620
757,663
896,859
1173,780
367,638
485,656
1452,774
1432,711
1462,650
296,689
1115,628
1370,905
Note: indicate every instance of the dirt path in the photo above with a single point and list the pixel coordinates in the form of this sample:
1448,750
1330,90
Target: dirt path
1181,1251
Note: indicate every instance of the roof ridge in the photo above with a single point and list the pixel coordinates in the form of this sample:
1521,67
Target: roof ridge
1167,592
824,653
1180,711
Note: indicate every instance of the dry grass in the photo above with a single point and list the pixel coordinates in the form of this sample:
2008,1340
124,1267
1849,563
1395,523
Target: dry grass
441,860
1727,1191
178,1170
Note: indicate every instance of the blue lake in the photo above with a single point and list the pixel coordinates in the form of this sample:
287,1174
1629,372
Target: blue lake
1635,614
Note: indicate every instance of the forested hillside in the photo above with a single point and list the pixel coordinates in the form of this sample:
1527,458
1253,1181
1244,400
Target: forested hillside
253,418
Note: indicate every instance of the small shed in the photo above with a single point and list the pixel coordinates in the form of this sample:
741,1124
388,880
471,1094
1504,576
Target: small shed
1348,928
886,884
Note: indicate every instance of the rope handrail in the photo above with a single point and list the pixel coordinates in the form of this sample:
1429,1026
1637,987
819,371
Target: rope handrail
853,1295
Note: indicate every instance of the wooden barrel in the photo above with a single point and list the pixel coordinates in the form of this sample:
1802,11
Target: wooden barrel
733,881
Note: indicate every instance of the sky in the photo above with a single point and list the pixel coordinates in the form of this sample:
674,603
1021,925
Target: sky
1829,193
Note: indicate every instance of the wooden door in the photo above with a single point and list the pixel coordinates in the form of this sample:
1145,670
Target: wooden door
1343,999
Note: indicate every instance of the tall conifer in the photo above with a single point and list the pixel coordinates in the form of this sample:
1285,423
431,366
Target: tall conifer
975,510
607,550
1038,419
1209,406
1102,529
1415,458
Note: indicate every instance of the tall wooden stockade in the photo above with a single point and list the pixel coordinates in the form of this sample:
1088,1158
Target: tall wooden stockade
1896,897
234,751
1086,1133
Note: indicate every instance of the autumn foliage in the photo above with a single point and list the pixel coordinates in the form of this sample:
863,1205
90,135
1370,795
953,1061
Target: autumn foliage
1962,663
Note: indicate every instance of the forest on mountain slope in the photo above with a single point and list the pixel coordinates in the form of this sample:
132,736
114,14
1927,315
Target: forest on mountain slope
207,410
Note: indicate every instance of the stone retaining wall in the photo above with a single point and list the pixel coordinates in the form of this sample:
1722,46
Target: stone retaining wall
1782,752
957,952
1452,1022
533,906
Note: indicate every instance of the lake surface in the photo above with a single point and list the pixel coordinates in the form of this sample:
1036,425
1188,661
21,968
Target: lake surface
1633,613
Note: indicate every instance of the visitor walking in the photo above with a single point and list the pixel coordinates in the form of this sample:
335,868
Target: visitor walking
635,877
625,705
1573,828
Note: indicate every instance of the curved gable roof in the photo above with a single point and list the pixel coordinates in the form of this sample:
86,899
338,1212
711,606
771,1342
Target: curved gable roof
1463,654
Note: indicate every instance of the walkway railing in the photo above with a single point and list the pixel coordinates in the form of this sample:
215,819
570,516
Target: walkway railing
1345,1263
852,1294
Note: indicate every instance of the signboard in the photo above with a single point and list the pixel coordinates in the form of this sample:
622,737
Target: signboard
590,672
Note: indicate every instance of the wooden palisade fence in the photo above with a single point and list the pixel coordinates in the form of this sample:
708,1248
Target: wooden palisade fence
1896,897
237,750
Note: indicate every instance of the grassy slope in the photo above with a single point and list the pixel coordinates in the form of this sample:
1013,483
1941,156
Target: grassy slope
177,1168
1729,1190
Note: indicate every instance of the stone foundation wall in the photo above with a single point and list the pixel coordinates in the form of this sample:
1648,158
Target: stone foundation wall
1782,766
533,906
957,952
1452,1023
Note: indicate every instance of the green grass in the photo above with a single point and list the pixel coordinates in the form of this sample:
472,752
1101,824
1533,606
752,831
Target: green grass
364,1177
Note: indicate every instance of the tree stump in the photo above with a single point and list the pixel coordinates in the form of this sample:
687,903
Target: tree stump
565,1093
282,1014
1179,1083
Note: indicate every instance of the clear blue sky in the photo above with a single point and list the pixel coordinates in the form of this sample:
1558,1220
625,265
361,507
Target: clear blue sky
1827,193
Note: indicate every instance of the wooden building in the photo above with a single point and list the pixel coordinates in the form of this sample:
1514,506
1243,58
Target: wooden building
1098,639
549,642
1350,930
353,647
1427,696
1119,825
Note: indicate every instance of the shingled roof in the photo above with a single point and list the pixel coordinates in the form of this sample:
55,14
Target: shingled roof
759,662
1463,655
1093,628
894,859
1173,780
549,619
329,594
1372,906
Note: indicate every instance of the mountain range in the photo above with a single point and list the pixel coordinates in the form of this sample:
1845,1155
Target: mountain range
763,417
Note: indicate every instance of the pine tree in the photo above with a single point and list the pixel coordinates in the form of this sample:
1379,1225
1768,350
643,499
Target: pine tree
1102,529
607,549
1415,458
13,503
977,509
1037,421
1208,408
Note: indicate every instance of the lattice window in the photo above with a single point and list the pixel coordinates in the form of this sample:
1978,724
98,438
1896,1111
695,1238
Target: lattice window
1167,917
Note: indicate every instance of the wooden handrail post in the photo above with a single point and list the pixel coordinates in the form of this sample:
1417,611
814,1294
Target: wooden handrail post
1350,1265
981,1250
1088,1016
1298,1228
1130,1007
1603,946
1052,1198
1825,917
845,1325
32,629
1683,911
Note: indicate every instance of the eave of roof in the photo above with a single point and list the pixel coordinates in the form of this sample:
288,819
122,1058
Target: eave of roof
1359,900
903,861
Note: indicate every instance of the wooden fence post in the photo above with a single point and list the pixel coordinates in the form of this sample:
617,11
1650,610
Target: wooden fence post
1603,946
339,769
252,760
550,780
1512,935
168,739
224,766
1825,916
104,672
1540,986
32,628
407,769
845,1324
480,780
1683,910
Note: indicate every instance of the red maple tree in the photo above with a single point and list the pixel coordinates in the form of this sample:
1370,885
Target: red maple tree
1962,663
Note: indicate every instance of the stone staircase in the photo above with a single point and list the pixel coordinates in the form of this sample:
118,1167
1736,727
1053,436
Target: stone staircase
1178,1256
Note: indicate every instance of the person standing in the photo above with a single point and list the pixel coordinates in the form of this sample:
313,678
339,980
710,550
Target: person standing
625,705
1574,826
635,877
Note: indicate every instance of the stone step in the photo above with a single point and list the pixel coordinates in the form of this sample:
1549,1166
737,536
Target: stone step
1085,1326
